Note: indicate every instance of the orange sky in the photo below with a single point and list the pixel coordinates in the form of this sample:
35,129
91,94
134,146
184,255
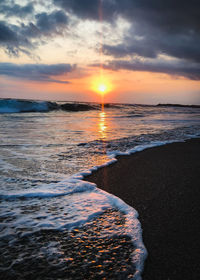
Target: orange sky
125,86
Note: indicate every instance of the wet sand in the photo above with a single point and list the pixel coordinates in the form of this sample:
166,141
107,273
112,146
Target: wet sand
163,185
83,253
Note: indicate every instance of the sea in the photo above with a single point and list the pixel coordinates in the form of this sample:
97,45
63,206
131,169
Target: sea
54,224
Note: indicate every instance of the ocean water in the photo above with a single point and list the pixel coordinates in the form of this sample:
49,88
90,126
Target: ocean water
53,225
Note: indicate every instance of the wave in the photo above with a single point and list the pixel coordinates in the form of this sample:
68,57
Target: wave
22,106
63,188
177,105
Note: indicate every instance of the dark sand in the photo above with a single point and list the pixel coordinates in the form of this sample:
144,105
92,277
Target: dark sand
163,185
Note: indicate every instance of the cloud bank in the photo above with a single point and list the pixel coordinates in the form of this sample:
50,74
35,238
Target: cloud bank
36,72
189,71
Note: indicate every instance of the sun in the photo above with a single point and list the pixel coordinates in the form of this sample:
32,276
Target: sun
101,85
102,88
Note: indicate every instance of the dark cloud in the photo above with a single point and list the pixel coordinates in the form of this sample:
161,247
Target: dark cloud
159,27
178,68
19,38
6,34
154,43
36,72
89,9
137,48
53,22
16,10
170,15
85,9
46,25
12,40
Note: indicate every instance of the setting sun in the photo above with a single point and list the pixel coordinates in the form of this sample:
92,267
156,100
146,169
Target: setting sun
102,88
101,85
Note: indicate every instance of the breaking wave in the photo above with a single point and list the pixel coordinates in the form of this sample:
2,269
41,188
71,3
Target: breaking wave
22,106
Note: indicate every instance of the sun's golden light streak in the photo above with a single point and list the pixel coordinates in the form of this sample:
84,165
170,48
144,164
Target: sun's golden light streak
102,125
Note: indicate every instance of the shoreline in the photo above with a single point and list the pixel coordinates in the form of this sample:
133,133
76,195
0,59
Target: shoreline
161,183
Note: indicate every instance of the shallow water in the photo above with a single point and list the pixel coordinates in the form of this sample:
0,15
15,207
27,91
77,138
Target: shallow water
42,154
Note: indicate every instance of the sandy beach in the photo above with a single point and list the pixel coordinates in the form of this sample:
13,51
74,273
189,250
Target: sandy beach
162,184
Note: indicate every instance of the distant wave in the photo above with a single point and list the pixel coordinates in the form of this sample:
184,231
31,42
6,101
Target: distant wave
177,105
20,106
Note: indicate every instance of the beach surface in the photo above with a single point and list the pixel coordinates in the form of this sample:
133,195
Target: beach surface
163,185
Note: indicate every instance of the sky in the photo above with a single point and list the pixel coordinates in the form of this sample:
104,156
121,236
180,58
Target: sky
144,51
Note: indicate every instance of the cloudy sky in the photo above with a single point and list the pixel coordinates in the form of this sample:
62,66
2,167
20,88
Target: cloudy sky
55,49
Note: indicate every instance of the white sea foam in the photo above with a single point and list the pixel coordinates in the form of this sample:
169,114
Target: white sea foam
51,190
140,148
84,202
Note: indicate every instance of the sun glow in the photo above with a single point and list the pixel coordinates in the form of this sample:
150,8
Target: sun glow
101,85
102,88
